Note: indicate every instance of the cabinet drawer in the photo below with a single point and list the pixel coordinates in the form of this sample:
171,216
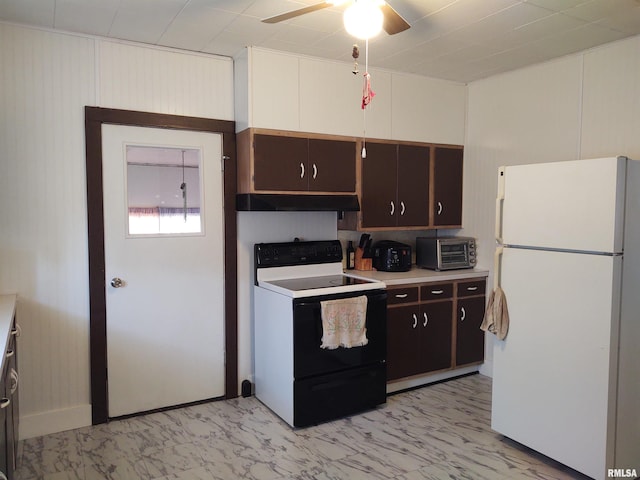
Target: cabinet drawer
402,295
436,292
468,289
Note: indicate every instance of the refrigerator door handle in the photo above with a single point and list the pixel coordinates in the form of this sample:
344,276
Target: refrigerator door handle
497,264
499,202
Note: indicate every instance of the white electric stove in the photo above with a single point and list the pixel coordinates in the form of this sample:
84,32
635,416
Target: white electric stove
300,381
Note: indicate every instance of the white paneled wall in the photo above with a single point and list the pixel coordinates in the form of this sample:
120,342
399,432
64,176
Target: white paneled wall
610,112
428,110
527,116
134,77
46,80
581,106
257,227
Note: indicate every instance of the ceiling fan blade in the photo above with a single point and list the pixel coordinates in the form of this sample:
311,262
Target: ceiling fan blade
393,21
297,13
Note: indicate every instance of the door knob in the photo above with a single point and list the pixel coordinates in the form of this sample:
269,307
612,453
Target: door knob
117,282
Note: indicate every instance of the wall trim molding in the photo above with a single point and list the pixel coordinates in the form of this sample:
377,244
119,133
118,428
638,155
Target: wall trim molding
95,117
54,421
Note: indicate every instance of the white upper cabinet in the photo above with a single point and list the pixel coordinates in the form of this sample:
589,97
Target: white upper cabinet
331,100
273,90
287,92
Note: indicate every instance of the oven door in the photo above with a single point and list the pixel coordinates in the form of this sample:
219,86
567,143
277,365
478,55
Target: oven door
310,359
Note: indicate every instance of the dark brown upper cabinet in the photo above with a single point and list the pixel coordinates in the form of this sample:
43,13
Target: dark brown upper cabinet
286,162
407,186
333,165
395,185
379,185
280,163
447,187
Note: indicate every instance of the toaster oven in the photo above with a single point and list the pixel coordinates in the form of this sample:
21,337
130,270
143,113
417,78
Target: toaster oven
445,253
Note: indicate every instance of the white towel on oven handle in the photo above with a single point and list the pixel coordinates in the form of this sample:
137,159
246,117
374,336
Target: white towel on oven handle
344,322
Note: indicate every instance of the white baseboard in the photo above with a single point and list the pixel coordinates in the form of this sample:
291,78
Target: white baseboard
487,368
397,386
54,421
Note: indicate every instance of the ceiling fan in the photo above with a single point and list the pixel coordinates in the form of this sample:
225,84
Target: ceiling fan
358,10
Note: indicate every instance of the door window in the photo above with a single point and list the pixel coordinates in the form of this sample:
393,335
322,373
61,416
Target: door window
163,191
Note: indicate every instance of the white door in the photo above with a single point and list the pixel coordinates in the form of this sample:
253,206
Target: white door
164,291
574,205
556,369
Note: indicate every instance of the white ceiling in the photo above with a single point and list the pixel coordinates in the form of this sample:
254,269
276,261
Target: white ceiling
461,40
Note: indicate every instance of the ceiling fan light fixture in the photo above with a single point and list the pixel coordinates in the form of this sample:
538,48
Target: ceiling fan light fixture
363,19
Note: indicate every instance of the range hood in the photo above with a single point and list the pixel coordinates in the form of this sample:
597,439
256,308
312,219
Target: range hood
265,202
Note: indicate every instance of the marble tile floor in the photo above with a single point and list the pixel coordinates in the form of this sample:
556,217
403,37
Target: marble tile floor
437,432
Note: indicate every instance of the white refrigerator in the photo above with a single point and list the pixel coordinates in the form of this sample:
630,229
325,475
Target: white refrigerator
566,379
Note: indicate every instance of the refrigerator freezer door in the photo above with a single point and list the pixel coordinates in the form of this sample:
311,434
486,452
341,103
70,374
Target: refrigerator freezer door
554,374
574,205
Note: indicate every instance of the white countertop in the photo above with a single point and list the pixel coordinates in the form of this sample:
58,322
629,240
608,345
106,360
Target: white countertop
7,311
420,275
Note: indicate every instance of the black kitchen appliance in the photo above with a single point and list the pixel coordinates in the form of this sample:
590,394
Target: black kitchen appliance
390,256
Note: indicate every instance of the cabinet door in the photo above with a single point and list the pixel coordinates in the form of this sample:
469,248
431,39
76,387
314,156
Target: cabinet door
332,166
280,163
436,334
413,186
403,342
11,382
469,337
379,185
5,422
447,187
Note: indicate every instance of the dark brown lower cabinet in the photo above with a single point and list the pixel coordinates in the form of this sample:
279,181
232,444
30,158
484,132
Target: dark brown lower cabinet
422,321
403,342
436,335
469,337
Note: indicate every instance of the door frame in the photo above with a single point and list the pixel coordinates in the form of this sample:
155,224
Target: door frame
95,117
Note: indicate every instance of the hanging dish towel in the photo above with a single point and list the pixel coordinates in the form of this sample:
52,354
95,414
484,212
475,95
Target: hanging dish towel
343,322
496,317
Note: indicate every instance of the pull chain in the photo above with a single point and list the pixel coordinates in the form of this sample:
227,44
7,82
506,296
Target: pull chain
183,187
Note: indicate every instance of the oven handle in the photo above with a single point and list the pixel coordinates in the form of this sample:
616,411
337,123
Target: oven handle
316,303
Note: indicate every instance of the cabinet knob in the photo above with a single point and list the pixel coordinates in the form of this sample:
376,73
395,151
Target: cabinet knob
16,331
315,171
402,208
463,314
402,295
426,319
439,208
302,170
437,292
472,289
415,320
393,208
4,402
117,282
9,353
